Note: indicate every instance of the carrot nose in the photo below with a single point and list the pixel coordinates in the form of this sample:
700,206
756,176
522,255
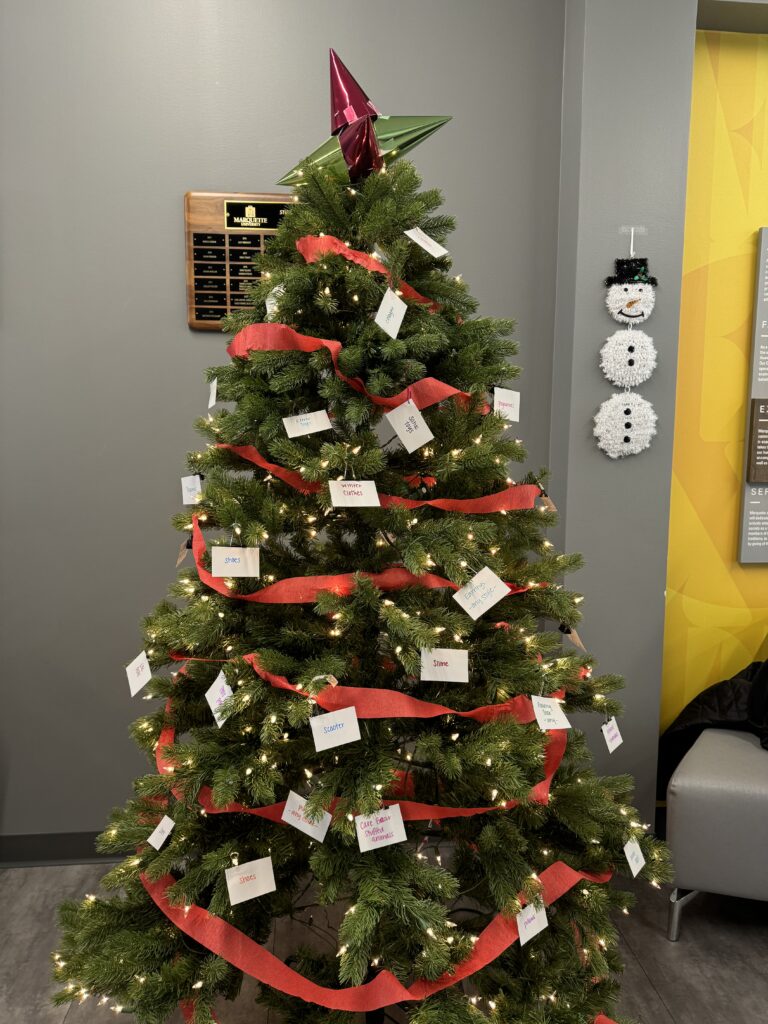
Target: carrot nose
631,303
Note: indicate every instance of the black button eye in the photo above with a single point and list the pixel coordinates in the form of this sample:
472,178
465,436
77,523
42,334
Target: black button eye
626,289
639,289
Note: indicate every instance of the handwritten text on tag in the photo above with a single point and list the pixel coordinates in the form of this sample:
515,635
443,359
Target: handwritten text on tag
216,694
445,664
390,313
382,828
306,423
482,592
335,728
354,493
138,673
410,426
234,561
246,881
293,814
549,713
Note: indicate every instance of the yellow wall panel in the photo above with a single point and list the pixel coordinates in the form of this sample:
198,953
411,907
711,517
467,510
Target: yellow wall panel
716,610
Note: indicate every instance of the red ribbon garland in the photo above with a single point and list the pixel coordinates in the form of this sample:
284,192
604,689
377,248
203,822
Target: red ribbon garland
519,496
250,957
305,589
281,338
314,247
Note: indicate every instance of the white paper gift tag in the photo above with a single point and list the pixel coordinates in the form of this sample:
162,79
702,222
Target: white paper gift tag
530,921
216,694
335,728
390,313
293,814
428,244
507,404
246,881
354,493
382,828
410,426
445,664
162,832
234,561
549,713
482,592
191,490
212,393
634,856
307,423
611,734
138,673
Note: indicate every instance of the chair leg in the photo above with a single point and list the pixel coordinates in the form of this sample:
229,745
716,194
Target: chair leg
677,901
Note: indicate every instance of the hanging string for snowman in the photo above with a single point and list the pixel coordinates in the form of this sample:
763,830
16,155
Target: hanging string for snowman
626,422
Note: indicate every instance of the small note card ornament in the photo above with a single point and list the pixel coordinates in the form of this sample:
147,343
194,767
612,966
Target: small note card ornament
626,422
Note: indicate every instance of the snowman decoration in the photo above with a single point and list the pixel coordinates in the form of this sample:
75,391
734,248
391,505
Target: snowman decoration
626,422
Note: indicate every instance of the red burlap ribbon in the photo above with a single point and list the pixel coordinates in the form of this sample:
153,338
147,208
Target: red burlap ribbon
305,589
314,247
250,957
281,338
511,499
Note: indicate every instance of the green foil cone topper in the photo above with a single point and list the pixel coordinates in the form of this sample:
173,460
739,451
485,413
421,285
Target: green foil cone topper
396,135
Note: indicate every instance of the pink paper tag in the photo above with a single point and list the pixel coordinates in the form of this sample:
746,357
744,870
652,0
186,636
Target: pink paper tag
349,114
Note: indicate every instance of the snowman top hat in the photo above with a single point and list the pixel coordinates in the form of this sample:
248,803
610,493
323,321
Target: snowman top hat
631,271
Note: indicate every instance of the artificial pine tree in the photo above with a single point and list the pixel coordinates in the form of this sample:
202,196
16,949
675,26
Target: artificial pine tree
498,813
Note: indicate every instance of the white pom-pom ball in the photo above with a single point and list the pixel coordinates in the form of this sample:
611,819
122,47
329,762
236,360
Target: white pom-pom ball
624,425
628,358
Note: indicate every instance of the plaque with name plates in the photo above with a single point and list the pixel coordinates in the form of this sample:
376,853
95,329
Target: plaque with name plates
224,230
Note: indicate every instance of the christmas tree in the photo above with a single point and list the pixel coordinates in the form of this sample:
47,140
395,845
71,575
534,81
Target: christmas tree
370,668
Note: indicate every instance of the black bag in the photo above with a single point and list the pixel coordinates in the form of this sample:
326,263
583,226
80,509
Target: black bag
739,703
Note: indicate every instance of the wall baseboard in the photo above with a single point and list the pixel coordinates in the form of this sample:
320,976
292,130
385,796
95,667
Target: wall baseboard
53,848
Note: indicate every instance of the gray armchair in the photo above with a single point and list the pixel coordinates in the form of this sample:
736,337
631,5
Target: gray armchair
717,820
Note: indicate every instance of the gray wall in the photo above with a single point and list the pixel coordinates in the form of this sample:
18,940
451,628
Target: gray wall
628,70
111,111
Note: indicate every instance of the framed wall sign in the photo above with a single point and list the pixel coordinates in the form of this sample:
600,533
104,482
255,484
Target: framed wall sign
753,542
223,232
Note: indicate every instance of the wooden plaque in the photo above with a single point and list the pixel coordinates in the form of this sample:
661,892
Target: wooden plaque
223,232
